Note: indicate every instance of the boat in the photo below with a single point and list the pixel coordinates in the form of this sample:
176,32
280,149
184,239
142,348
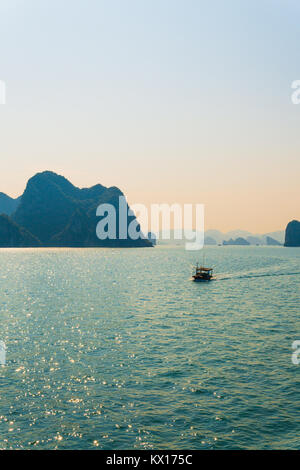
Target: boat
202,274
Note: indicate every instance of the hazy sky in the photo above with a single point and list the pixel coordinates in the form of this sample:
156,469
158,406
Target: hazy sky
171,100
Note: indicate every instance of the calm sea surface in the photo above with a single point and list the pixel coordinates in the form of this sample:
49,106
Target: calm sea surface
118,349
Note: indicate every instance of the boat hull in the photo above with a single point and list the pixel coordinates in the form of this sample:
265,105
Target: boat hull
201,280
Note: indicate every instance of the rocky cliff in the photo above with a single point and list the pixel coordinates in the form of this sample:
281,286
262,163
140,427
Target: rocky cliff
54,212
11,235
292,234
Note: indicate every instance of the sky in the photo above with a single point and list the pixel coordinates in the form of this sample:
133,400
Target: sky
173,101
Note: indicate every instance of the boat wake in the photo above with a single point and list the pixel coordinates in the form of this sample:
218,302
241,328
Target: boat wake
252,276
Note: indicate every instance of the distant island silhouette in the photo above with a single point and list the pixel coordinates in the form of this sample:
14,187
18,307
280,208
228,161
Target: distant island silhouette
237,241
292,234
52,212
267,240
234,237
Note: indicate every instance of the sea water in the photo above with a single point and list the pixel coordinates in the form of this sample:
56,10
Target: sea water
118,349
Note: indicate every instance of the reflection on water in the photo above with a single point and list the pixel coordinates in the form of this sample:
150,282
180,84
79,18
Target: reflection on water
117,349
